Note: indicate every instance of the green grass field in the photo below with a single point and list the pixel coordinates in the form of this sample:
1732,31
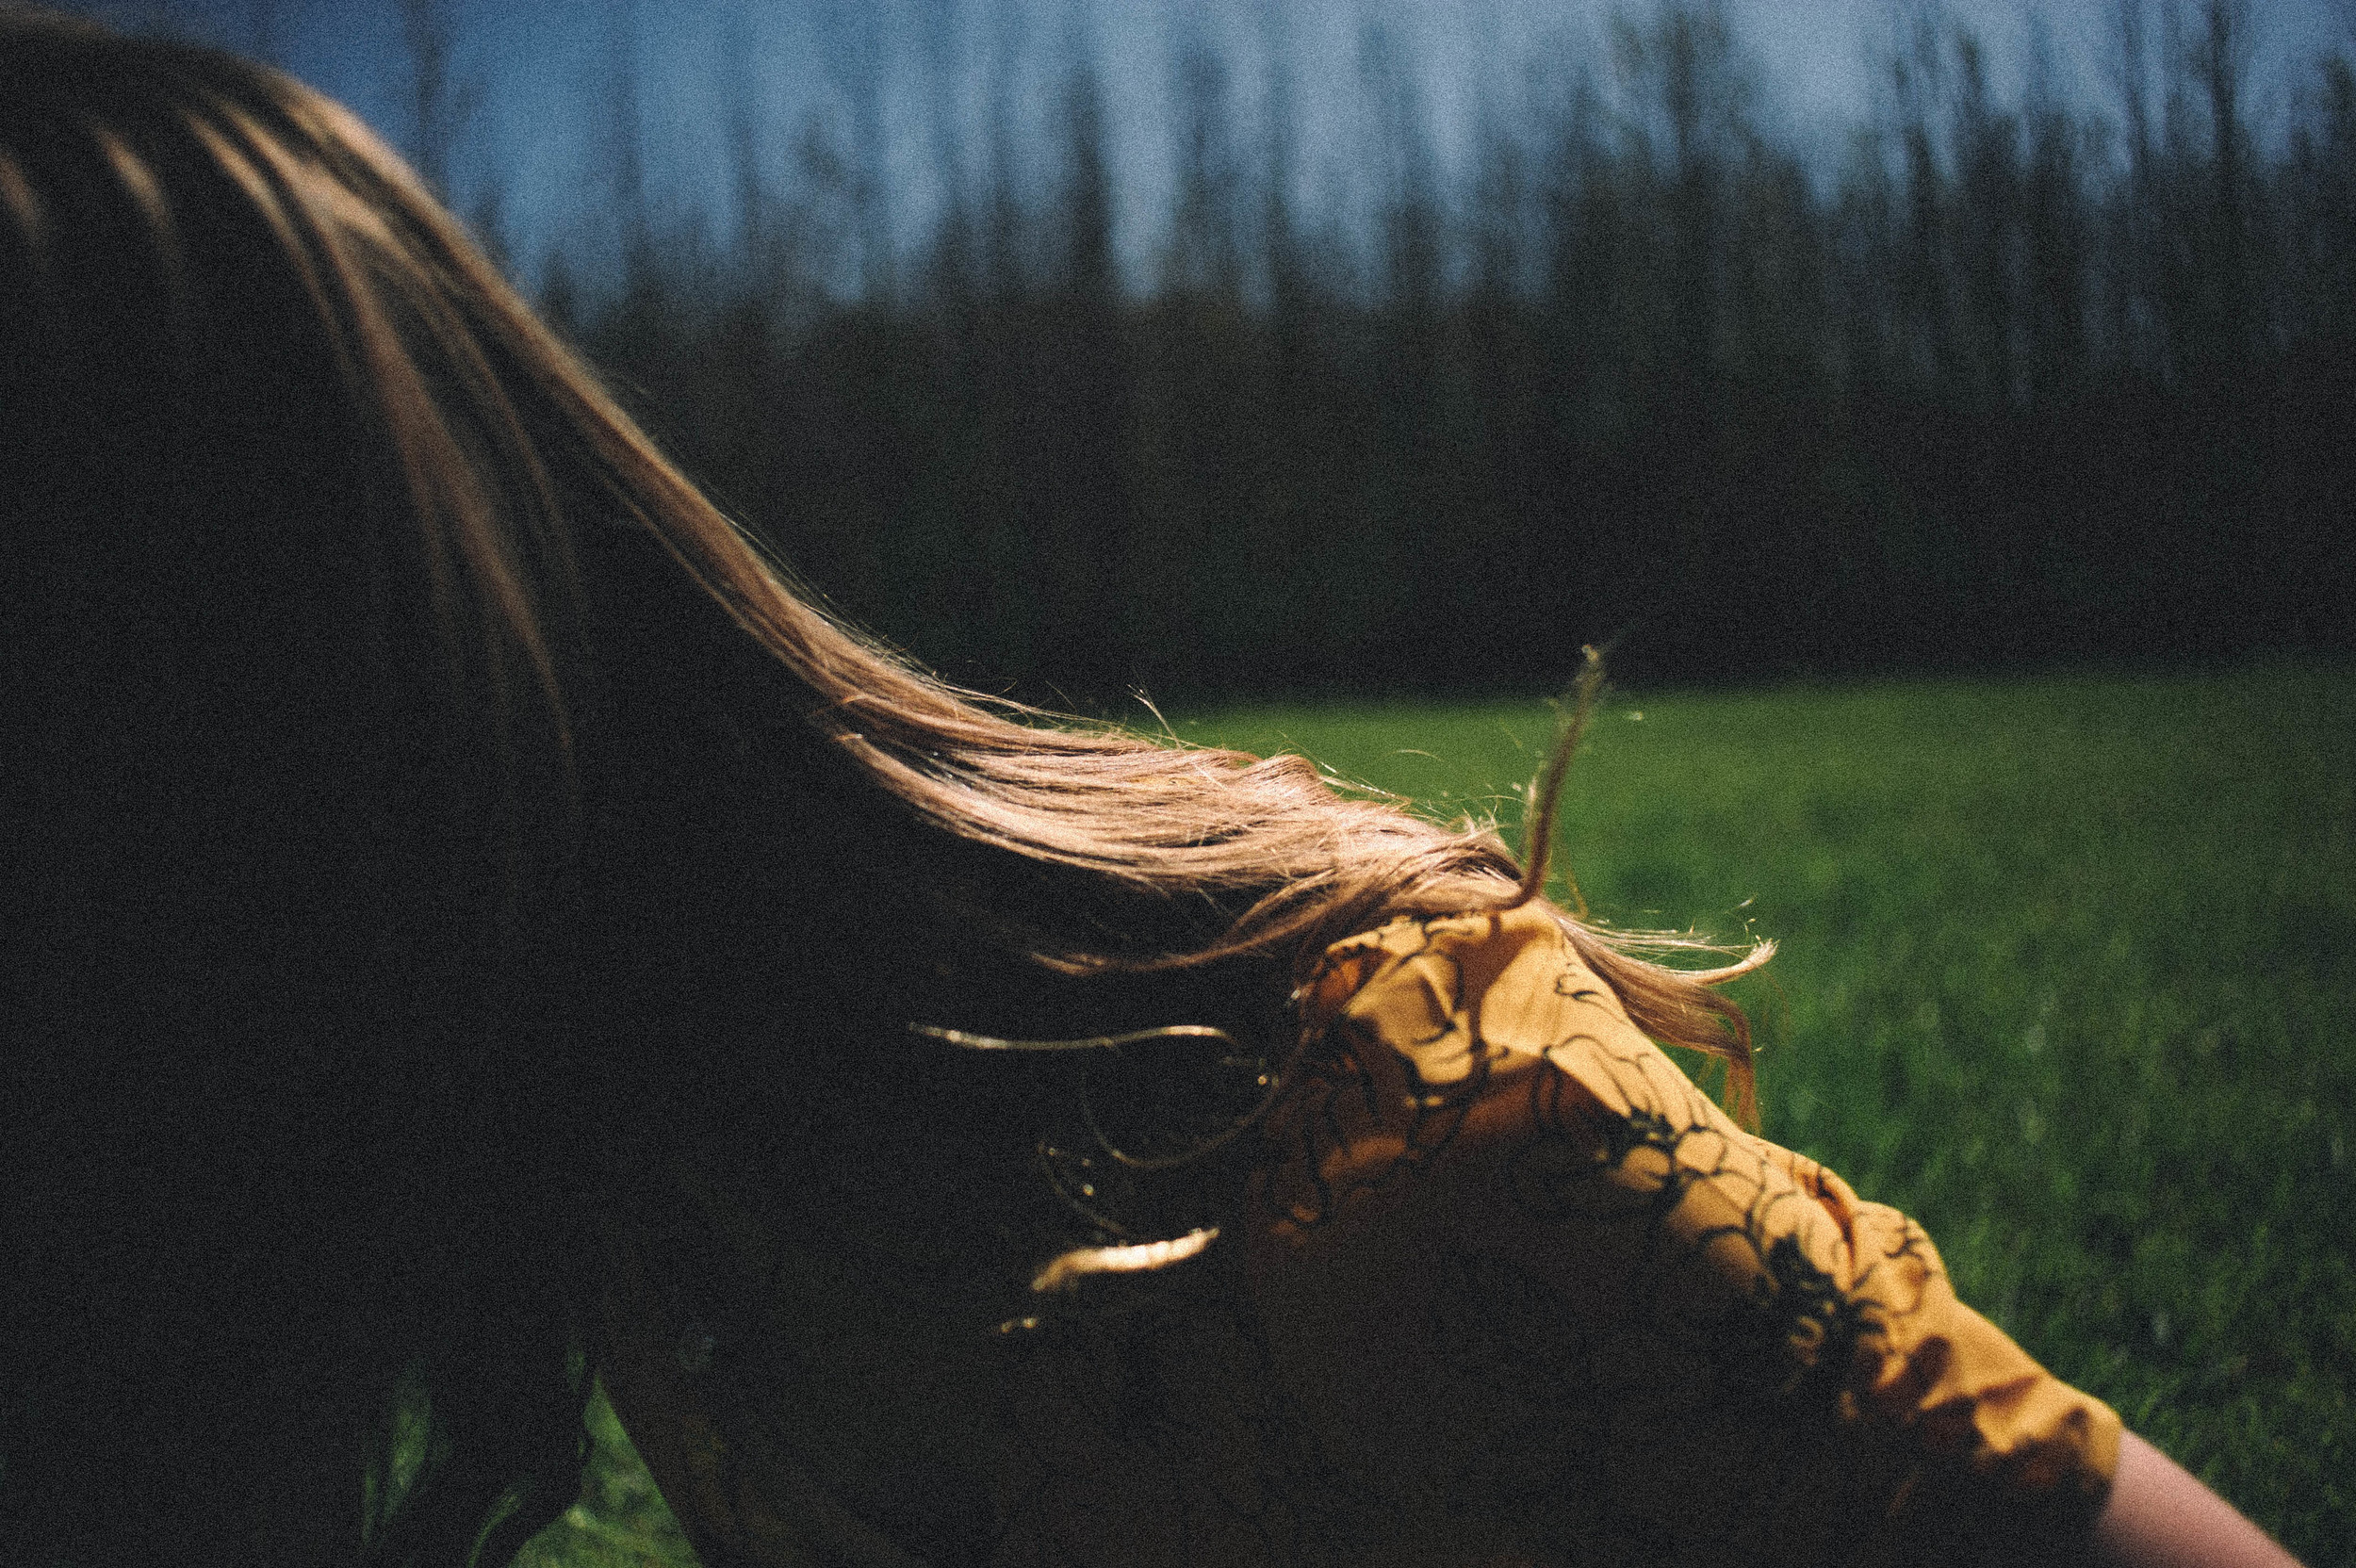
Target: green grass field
2068,973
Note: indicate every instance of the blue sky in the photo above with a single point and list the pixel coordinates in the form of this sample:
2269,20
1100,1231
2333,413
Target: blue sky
544,69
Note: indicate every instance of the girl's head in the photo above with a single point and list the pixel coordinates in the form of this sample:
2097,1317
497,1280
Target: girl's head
416,797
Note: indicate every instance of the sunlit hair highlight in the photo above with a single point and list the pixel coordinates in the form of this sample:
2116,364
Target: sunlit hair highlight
502,449
402,287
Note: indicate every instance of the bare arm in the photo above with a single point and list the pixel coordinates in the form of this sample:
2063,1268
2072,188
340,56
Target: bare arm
1506,1254
2159,1516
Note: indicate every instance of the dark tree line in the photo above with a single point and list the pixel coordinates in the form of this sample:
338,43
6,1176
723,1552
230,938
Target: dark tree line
2013,383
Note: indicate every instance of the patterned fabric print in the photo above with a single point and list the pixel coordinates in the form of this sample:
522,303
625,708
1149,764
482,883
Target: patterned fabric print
1513,1292
1518,1265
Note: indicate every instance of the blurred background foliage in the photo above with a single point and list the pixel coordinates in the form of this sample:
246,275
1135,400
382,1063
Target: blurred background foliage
1999,379
2009,384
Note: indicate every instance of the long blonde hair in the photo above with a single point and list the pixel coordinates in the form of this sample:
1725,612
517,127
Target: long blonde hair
480,404
202,248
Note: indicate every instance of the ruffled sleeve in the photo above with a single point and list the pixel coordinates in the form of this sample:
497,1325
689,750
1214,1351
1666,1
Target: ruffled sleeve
1512,1260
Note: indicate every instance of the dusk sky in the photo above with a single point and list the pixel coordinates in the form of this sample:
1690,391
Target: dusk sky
544,71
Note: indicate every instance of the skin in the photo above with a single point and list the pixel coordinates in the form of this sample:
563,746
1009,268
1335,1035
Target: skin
1434,1358
1502,1203
2159,1516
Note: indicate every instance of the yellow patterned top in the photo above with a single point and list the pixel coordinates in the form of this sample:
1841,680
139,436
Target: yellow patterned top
1512,1291
1615,1306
